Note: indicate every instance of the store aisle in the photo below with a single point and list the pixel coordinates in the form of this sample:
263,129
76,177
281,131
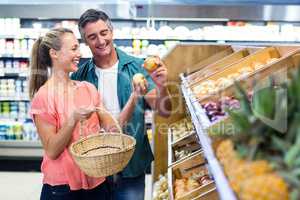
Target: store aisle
20,185
27,186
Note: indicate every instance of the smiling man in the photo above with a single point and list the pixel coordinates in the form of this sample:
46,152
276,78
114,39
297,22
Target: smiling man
111,71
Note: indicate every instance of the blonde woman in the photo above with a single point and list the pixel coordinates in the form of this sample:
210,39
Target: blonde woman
57,106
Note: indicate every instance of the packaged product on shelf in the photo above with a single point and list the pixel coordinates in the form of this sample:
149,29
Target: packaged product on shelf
180,129
9,44
190,178
160,189
3,131
182,153
29,131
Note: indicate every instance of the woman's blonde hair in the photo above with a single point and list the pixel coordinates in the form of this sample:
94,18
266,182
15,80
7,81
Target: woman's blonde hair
40,60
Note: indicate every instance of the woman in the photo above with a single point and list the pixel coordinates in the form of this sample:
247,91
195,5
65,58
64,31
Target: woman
58,104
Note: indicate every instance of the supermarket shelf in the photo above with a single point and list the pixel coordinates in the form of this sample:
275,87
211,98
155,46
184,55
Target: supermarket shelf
15,56
200,122
20,143
213,10
18,148
14,98
14,74
169,148
129,40
173,143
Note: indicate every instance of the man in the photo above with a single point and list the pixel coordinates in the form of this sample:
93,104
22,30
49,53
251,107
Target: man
111,71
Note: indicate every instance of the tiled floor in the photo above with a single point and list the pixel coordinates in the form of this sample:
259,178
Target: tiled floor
20,185
27,186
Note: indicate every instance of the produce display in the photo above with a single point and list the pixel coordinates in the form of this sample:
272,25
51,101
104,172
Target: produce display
181,129
160,189
261,160
185,185
216,110
210,87
253,134
182,153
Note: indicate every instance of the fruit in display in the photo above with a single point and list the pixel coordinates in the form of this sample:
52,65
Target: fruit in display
160,189
244,170
266,156
272,60
268,186
181,154
185,185
181,128
257,65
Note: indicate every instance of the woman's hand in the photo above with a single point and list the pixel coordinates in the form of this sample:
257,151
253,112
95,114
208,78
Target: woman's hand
81,114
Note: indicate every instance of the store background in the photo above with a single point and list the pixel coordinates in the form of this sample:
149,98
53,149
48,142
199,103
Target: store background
141,28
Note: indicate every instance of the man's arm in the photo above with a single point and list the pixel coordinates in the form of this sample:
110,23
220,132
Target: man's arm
159,98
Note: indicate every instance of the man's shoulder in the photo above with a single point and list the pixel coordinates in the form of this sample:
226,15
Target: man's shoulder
125,57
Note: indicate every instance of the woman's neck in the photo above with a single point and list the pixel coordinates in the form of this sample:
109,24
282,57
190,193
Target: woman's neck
59,76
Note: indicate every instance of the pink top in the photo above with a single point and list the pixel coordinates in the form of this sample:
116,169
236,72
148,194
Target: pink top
55,106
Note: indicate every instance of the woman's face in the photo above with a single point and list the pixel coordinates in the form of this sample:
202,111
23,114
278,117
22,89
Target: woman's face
69,55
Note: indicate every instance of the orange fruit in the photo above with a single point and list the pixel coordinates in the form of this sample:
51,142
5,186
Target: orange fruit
150,64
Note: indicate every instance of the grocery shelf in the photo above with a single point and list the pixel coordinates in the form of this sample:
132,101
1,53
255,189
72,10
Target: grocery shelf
13,74
20,143
14,98
20,148
183,138
200,122
169,148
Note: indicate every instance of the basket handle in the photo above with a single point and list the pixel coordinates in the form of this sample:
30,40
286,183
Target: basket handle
80,128
99,109
81,125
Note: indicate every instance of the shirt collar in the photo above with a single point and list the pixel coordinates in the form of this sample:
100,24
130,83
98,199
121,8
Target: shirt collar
124,59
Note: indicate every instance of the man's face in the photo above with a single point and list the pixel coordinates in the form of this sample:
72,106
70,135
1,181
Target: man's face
99,37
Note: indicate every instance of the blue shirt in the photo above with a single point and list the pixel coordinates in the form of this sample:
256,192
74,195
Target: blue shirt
128,66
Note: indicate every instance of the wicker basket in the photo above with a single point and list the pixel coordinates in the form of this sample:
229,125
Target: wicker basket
103,154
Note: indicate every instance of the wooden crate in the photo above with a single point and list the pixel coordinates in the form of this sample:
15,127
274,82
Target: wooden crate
209,195
282,63
189,142
219,55
179,59
219,65
184,169
182,125
183,58
260,56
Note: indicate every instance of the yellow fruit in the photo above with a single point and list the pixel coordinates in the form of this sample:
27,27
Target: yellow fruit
238,170
139,79
150,64
225,153
265,187
240,173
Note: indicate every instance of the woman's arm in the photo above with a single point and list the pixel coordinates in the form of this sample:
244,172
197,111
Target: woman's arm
128,109
55,142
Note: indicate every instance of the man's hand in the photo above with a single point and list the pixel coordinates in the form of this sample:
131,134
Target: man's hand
159,75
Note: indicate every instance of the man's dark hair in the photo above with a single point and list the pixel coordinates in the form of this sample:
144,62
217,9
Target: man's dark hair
92,15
